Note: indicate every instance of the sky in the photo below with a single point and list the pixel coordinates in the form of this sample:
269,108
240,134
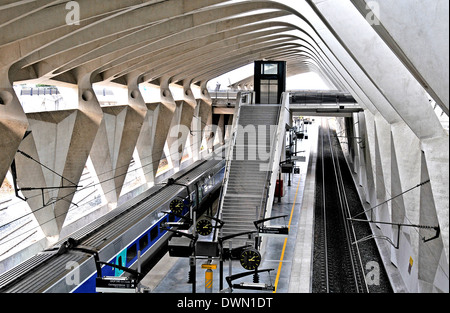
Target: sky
309,81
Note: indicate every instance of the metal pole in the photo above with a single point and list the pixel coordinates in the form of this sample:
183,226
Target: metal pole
139,269
193,274
279,187
221,273
230,264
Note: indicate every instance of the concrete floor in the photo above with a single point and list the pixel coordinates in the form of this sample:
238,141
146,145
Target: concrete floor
289,257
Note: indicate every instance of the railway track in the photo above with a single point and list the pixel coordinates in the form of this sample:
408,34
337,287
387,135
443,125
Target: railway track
338,266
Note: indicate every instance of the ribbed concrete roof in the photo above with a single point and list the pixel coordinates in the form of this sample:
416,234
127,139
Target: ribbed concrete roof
194,40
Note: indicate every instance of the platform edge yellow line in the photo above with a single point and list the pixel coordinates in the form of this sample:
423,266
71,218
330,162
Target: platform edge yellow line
280,265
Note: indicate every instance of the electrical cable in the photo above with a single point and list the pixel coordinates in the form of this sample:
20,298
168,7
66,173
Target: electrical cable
91,186
63,198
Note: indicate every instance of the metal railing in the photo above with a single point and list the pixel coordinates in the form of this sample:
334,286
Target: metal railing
321,98
276,155
229,156
265,193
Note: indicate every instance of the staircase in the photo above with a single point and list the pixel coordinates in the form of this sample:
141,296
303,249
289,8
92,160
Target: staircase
249,171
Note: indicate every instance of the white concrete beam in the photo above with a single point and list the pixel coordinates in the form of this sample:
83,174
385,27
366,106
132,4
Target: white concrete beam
31,174
390,76
86,125
417,32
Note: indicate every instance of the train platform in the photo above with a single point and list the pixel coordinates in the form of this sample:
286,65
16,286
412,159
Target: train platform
290,258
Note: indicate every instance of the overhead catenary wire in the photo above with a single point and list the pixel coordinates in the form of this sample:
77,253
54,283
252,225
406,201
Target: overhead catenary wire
63,198
45,166
83,188
393,198
114,169
38,226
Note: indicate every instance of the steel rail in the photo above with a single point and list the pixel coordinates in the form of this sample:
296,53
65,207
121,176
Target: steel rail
355,256
325,213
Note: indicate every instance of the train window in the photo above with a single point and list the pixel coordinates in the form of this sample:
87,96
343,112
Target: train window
154,233
131,253
143,242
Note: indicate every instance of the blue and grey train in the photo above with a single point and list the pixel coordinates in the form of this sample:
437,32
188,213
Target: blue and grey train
116,238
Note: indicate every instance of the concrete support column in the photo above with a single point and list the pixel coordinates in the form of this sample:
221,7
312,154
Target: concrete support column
161,123
48,144
436,152
134,121
105,151
61,141
31,174
361,134
86,125
144,143
220,133
202,122
383,173
369,157
13,123
432,255
405,174
206,116
181,125
116,140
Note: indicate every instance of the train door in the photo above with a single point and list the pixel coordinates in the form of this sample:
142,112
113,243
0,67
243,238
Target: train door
121,260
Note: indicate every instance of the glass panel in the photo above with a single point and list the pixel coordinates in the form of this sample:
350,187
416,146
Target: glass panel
264,91
270,69
131,253
154,233
273,92
143,242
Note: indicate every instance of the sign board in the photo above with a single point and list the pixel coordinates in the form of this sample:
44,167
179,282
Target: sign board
116,285
274,231
411,262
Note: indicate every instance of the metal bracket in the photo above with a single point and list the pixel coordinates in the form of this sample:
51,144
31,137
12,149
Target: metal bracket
17,189
250,286
181,225
256,223
360,142
219,222
399,226
438,233
276,231
190,236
